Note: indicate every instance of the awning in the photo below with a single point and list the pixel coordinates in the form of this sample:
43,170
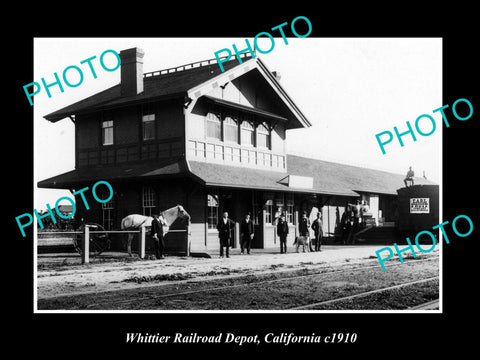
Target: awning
304,175
243,108
126,172
247,178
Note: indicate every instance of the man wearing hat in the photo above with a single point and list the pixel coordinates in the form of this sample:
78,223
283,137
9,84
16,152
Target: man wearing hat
282,232
246,233
157,235
317,229
409,177
225,229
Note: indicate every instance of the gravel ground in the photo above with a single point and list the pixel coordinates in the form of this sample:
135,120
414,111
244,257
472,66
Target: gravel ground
113,283
63,274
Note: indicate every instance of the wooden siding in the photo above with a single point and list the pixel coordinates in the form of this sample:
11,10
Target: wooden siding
250,90
128,200
87,131
170,120
117,154
278,139
128,145
196,207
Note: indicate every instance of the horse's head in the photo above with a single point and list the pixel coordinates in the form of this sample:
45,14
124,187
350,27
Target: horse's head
182,213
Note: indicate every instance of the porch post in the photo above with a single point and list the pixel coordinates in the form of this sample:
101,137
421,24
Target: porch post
86,245
187,240
141,245
236,234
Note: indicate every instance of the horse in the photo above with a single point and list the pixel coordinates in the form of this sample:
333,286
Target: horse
136,221
302,240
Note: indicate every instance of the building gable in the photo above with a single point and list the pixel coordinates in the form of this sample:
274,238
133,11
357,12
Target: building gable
251,84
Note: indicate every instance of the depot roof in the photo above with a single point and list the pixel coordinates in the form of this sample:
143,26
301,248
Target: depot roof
155,87
328,177
127,172
184,82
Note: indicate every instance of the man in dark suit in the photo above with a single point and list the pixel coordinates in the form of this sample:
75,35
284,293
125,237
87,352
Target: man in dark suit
246,233
317,229
225,229
157,235
282,232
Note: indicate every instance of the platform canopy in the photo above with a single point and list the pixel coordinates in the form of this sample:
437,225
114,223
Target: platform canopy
127,172
304,175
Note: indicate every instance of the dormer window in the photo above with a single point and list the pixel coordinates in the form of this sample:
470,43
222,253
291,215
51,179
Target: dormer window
263,136
230,129
247,134
214,126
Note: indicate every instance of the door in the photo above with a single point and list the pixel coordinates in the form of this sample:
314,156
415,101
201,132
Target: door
268,224
373,204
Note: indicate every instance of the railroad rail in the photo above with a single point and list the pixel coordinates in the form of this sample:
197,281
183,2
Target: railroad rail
429,305
366,293
345,268
261,282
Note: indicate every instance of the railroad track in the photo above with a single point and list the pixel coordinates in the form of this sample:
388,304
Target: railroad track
201,278
368,293
429,305
227,287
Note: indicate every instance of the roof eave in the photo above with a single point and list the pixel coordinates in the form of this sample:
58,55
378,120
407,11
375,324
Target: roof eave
199,90
107,106
286,189
297,112
237,106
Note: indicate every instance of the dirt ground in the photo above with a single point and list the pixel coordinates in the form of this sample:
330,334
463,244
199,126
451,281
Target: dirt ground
63,274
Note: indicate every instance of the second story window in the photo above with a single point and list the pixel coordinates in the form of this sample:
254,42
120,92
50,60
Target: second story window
230,129
247,134
214,127
263,136
148,126
107,132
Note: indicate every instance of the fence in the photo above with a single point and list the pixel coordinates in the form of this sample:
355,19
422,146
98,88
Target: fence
184,246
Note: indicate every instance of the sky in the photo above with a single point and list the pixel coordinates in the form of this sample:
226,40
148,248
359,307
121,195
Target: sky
350,89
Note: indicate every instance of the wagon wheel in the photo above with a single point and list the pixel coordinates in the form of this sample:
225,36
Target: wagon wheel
98,242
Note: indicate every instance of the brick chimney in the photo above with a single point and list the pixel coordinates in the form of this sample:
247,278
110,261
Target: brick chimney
131,77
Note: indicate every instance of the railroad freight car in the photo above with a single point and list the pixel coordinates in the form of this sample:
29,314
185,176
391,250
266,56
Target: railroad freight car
418,209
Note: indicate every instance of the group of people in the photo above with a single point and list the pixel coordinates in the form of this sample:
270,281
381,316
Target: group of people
226,226
303,230
353,219
225,229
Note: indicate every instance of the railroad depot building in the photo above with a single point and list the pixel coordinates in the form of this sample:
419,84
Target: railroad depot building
212,142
